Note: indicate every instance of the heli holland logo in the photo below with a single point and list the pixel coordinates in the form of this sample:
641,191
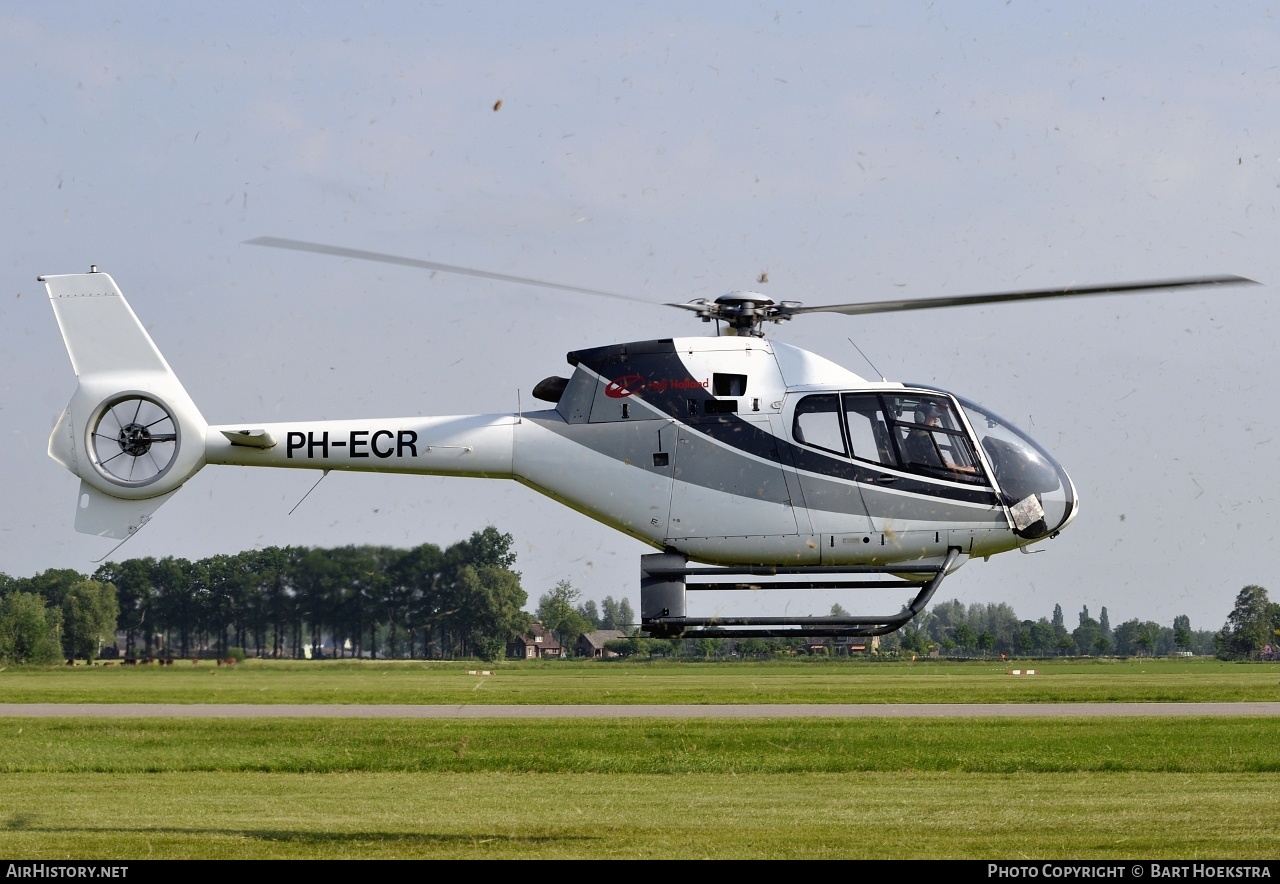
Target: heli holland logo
631,384
620,388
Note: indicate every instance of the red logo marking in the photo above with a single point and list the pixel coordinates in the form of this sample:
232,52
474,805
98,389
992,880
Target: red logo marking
620,388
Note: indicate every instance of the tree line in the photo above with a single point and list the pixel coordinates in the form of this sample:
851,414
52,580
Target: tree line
466,600
371,601
954,628
1252,631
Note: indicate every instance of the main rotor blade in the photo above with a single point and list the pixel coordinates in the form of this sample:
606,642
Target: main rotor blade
1031,295
297,245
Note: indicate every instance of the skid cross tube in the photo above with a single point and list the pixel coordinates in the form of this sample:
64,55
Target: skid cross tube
663,590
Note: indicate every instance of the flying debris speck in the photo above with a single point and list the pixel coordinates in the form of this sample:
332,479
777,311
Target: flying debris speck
497,105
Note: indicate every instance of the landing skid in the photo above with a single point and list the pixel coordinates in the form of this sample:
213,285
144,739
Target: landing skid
663,592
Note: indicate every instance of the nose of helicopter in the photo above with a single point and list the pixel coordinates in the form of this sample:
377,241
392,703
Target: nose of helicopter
1058,506
1040,496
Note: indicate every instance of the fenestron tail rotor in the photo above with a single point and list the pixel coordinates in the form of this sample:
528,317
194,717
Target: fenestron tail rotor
134,440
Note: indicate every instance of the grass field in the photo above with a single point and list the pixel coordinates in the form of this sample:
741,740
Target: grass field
822,788
579,682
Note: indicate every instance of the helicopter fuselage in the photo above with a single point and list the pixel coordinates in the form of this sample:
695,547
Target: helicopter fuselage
728,450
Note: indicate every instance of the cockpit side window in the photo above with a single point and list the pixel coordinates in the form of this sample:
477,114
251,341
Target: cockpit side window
868,430
929,438
817,423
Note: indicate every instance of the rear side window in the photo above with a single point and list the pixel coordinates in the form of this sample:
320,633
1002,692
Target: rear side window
817,423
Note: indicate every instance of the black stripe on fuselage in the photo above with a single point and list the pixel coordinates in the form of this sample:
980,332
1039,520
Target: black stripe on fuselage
660,359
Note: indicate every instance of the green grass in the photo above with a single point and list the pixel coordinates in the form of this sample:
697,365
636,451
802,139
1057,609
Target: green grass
534,815
585,682
661,747
1003,788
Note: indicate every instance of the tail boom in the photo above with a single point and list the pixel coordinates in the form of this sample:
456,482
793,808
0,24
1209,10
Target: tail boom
477,445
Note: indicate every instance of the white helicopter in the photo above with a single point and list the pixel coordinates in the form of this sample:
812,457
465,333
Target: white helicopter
781,468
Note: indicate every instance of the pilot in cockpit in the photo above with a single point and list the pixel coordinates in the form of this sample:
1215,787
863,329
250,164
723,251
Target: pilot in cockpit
922,442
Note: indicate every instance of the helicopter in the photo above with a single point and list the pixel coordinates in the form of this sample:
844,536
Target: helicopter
766,466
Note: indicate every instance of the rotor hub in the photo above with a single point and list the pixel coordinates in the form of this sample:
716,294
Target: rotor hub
744,312
135,440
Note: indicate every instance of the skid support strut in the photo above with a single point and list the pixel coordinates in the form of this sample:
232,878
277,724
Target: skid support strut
663,592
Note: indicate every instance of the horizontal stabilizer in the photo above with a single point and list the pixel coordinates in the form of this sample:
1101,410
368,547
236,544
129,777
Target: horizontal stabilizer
107,516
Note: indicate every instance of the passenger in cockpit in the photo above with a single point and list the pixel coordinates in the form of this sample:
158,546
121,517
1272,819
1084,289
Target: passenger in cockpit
922,442
921,449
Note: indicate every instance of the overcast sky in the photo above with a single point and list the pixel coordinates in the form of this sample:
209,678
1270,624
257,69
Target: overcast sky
668,151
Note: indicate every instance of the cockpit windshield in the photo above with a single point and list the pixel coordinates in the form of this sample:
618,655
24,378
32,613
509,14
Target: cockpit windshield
1037,490
921,431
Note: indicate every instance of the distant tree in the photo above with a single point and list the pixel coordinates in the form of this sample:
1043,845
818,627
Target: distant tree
1059,625
617,614
964,636
610,614
914,640
708,647
1023,642
1148,635
588,612
53,585
1250,626
89,614
1182,637
174,581
1162,639
756,647
944,618
997,618
837,610
487,547
631,646
136,596
494,600
557,613
1087,634
1104,623
986,642
417,602
1043,638
28,629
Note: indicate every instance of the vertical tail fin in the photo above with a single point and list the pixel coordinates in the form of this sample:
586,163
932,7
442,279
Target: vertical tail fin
131,432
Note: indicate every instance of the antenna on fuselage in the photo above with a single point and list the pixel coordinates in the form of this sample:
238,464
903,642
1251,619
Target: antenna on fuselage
309,490
869,362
